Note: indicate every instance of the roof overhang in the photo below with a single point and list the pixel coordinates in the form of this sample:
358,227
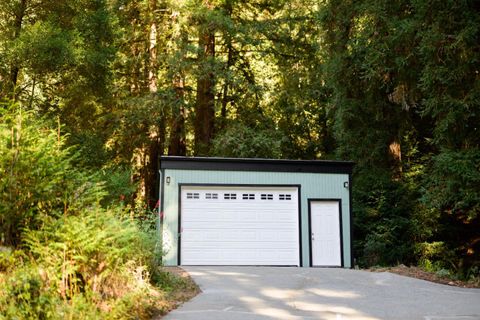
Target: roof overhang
255,164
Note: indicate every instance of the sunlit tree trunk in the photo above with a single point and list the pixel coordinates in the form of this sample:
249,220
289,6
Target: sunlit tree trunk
152,50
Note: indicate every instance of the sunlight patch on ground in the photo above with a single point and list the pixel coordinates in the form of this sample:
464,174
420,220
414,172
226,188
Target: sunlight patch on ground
279,293
226,273
259,307
333,293
342,312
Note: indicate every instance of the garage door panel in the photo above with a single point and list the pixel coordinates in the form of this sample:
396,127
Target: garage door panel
278,235
251,245
233,208
212,256
240,224
245,236
243,217
261,229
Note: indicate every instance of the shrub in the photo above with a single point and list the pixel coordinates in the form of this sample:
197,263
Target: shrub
92,265
37,179
25,296
118,183
451,193
435,256
93,252
79,260
11,259
383,220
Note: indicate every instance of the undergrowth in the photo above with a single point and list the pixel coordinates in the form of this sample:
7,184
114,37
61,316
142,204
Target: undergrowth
68,250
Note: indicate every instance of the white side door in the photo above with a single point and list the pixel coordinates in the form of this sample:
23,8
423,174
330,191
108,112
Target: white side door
325,233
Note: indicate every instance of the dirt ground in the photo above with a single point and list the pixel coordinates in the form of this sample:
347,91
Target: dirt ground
184,290
418,273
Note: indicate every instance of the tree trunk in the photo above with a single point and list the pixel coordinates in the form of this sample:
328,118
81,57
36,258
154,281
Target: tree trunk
226,85
151,178
152,50
205,100
177,146
230,62
14,68
395,153
156,135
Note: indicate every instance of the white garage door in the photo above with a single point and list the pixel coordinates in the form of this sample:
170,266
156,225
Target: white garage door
239,226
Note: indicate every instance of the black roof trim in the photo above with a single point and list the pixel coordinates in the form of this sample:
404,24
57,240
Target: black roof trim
255,164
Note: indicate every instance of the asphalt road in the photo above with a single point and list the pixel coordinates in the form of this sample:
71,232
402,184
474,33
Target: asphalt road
244,293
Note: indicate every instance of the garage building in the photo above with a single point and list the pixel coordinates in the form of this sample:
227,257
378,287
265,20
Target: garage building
223,211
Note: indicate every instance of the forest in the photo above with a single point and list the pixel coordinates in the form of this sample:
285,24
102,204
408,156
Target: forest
93,92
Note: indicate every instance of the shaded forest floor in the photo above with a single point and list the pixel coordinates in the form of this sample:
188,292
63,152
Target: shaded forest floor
416,272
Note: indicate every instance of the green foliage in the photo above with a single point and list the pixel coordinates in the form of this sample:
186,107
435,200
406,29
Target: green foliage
405,99
435,256
240,141
452,184
92,252
448,46
451,193
119,185
26,296
10,259
383,220
80,261
169,281
90,266
43,48
37,178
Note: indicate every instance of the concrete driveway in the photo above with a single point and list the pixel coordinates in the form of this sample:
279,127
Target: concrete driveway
231,293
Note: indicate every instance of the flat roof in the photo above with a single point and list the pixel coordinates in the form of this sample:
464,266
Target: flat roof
255,164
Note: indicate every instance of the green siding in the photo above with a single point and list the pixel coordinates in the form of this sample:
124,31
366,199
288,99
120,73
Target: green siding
313,186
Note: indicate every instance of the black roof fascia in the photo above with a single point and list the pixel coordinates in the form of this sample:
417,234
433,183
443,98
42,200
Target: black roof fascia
254,164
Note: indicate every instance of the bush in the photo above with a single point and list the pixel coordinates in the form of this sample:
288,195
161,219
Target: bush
435,256
25,296
37,179
94,252
11,259
93,265
79,260
383,220
452,195
452,184
118,183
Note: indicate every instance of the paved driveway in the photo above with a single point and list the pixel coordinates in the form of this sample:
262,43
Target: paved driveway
231,293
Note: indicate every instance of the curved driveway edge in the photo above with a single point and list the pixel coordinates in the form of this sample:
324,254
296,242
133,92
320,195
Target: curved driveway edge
231,293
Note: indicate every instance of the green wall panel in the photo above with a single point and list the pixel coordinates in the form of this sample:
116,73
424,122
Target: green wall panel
313,186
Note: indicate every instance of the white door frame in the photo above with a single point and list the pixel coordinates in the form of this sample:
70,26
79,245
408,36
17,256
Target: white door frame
186,185
313,200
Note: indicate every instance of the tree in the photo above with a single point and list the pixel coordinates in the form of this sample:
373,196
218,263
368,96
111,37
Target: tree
397,71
